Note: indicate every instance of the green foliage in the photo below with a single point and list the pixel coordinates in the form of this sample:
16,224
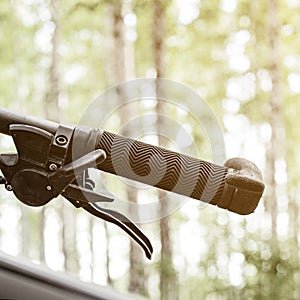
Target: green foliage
276,271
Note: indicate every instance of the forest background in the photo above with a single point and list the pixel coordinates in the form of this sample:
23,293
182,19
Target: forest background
243,58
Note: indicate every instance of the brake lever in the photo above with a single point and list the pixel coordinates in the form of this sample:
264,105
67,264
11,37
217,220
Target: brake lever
123,222
79,195
86,199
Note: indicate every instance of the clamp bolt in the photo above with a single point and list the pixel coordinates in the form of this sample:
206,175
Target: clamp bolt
52,167
61,140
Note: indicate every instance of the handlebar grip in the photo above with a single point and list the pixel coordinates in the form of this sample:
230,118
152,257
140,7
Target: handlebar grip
237,186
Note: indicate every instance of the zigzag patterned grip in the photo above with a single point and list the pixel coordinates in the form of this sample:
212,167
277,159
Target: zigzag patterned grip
162,168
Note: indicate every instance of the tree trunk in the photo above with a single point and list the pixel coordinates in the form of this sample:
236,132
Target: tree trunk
69,239
53,112
25,214
158,37
107,265
137,282
109,72
51,102
25,231
168,284
52,94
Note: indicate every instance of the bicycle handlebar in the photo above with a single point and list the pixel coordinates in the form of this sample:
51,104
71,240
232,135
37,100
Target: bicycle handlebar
236,186
53,159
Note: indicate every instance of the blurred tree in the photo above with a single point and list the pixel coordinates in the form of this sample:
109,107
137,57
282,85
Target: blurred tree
142,44
51,101
122,68
12,21
54,111
20,35
168,282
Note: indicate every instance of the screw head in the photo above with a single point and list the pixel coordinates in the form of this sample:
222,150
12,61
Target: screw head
61,140
52,167
9,187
